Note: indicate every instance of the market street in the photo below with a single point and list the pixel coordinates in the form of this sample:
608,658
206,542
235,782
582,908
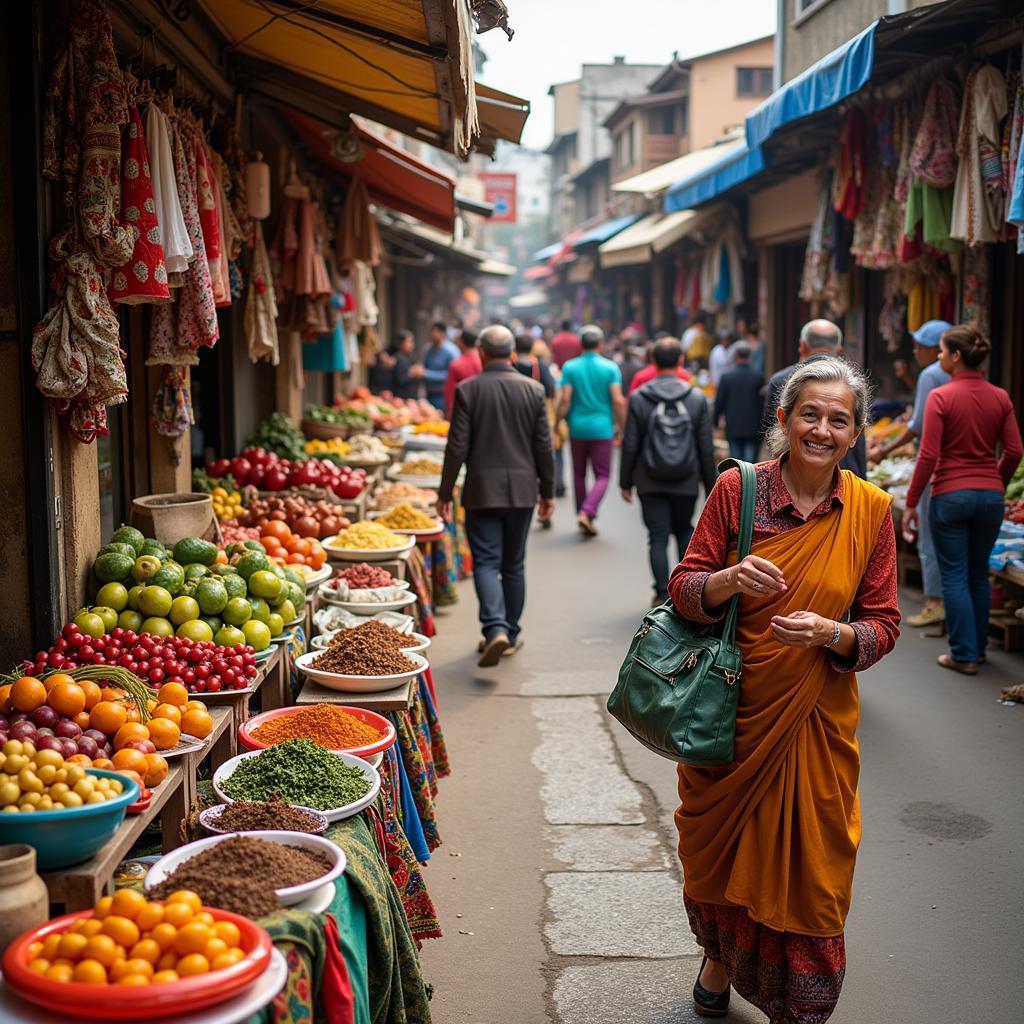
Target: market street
551,803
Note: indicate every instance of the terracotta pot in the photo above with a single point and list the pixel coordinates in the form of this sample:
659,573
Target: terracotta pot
24,901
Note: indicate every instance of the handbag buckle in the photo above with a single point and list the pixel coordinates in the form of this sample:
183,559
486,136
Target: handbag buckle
643,631
691,661
730,677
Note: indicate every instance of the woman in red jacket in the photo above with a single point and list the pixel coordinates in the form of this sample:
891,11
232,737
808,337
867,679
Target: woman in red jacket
964,421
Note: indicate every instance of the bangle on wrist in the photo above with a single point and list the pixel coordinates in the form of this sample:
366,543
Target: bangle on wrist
836,634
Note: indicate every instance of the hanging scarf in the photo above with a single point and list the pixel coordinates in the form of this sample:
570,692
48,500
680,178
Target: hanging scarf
261,304
933,157
172,403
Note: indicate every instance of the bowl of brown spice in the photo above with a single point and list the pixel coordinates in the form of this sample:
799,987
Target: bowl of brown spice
357,668
286,866
273,815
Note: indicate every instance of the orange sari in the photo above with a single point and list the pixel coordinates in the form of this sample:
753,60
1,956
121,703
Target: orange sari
777,831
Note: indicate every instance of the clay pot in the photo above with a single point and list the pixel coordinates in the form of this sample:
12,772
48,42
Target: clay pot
24,902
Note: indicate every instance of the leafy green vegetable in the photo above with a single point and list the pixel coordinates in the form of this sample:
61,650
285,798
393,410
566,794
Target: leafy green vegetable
277,433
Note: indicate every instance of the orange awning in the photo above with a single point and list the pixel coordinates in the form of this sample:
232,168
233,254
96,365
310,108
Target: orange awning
393,177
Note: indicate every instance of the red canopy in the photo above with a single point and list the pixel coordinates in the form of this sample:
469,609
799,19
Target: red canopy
393,177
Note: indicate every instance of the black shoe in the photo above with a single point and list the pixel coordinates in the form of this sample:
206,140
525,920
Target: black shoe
709,1004
559,492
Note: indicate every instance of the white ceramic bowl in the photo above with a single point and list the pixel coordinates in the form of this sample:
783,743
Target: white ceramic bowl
358,684
370,608
332,595
289,895
365,555
333,617
417,642
331,813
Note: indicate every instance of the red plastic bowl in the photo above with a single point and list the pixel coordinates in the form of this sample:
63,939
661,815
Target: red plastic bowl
381,724
126,1002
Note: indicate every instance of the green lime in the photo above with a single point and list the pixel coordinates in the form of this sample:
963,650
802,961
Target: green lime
235,586
155,601
237,611
252,562
113,595
228,636
260,608
276,624
108,615
257,635
130,620
158,626
287,611
184,609
213,621
133,597
129,535
195,571
264,584
195,629
90,623
211,595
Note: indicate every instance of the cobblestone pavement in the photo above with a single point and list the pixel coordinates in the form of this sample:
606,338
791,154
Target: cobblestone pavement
558,884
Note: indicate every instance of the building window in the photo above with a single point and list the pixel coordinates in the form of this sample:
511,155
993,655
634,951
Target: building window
662,121
625,146
754,81
684,118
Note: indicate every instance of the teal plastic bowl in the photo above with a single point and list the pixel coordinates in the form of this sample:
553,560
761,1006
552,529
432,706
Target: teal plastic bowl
70,836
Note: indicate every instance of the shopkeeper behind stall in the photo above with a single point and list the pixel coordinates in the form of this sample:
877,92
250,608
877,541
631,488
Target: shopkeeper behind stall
436,359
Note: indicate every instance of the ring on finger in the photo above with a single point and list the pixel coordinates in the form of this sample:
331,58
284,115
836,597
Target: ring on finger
758,586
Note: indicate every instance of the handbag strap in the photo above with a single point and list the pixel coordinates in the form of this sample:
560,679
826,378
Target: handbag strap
748,497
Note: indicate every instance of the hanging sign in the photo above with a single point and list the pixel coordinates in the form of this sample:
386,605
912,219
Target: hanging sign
500,192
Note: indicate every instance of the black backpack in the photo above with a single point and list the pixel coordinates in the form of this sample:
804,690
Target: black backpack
669,449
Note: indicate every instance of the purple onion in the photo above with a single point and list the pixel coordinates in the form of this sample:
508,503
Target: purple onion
23,731
19,716
100,738
44,732
88,746
45,716
68,745
52,743
67,729
4,724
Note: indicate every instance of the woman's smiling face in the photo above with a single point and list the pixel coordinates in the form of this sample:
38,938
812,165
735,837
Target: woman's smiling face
822,426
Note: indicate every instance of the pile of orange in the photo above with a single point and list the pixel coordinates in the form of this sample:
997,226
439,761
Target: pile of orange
287,548
65,695
130,940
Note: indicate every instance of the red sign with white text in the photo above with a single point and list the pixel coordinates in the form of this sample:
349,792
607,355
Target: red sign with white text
500,192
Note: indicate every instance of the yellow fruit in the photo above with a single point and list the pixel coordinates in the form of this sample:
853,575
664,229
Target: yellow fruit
39,966
164,935
51,945
60,972
102,907
186,896
150,916
228,959
128,903
133,979
101,948
193,964
167,962
228,931
146,949
165,977
90,972
122,930
192,939
72,945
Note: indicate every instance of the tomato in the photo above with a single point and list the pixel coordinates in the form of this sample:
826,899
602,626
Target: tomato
219,468
240,469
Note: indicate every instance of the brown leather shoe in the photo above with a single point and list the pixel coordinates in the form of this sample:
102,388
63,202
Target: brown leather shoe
965,668
493,650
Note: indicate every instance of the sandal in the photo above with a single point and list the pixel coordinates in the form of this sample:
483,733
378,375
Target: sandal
965,668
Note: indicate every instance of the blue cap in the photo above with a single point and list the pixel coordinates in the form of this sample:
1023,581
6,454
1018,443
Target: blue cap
929,333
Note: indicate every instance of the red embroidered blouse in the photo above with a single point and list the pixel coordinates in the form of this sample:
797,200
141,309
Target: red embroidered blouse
875,615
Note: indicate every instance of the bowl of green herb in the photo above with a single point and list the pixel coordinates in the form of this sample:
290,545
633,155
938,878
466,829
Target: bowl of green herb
304,774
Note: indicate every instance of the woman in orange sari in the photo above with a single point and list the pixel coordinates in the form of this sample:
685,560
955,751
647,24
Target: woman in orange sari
768,843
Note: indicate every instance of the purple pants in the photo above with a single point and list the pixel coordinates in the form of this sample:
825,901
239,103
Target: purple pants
599,455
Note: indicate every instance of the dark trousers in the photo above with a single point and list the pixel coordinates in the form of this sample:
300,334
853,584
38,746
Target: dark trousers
497,538
964,527
666,515
744,448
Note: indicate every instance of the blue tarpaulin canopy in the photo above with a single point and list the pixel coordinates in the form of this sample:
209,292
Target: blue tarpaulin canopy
603,231
543,255
736,166
837,75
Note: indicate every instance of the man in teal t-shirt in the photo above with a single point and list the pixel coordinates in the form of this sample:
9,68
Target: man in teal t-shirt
593,405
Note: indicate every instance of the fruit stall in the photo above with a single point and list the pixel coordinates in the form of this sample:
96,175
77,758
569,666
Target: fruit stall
269,676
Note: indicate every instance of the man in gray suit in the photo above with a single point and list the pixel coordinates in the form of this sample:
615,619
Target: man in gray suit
500,431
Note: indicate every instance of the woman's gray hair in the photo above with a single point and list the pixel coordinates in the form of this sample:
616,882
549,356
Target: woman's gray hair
820,370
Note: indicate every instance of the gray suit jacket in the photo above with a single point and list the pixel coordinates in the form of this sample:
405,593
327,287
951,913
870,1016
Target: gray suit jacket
500,432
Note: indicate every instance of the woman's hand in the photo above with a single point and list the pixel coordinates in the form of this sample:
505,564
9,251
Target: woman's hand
803,629
757,577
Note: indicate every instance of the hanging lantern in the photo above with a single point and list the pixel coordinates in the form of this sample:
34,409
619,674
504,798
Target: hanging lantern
257,187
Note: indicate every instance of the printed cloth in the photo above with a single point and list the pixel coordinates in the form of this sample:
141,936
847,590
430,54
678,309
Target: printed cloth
172,403
143,277
933,157
420,582
848,184
261,304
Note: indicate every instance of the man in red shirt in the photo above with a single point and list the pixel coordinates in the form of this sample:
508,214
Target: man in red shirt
565,345
465,366
650,371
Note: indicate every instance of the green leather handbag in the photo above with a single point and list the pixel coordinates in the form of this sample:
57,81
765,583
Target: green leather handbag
679,685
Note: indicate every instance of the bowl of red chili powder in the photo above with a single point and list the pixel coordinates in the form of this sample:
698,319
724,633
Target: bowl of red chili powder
337,727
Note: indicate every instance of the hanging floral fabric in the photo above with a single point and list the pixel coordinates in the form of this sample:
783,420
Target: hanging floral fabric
1015,168
978,200
219,267
977,285
181,329
358,237
76,347
174,235
933,158
234,237
143,277
848,182
818,256
878,229
209,220
172,403
261,304
285,248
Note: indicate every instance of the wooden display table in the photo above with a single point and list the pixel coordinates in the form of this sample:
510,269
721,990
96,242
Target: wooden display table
221,745
398,699
271,684
78,887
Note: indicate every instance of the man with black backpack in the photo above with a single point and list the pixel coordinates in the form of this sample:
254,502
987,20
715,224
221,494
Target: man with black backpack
667,452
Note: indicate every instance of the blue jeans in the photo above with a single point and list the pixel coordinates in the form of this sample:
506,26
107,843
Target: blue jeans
931,578
744,448
964,526
497,538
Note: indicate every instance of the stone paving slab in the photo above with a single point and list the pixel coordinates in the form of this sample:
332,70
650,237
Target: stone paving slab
608,848
617,913
632,992
583,783
596,682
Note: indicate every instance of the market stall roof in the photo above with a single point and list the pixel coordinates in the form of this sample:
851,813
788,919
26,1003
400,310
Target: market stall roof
392,176
406,63
738,165
651,235
496,268
659,178
543,255
603,231
502,115
423,239
529,300
540,273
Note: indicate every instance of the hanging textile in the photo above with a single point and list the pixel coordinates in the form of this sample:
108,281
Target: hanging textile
977,286
978,201
364,294
143,277
310,272
879,228
261,304
76,347
174,235
209,222
849,180
818,256
358,237
933,158
172,403
1015,168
